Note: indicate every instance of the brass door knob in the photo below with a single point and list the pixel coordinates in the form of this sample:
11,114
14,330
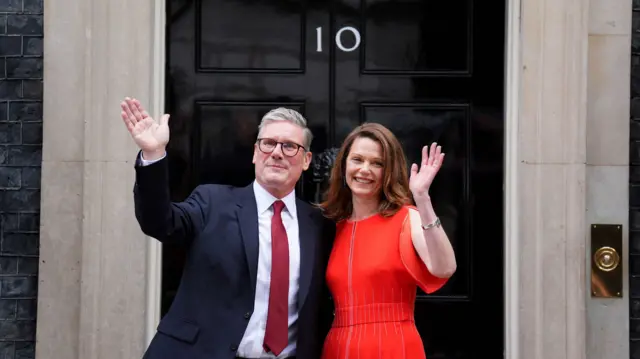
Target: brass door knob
606,259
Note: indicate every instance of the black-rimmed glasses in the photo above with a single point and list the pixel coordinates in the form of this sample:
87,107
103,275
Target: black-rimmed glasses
289,149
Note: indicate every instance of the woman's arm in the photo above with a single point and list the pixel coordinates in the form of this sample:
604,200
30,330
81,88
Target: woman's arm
432,244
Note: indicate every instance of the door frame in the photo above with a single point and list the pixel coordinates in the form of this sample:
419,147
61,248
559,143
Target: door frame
511,204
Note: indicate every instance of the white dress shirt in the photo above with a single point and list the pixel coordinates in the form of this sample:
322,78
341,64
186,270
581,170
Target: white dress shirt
251,345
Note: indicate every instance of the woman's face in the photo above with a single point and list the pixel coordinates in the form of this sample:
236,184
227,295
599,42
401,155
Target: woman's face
365,168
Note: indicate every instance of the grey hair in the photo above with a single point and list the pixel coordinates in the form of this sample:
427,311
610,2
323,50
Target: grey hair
289,115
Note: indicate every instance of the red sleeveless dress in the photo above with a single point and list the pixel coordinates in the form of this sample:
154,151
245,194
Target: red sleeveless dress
373,274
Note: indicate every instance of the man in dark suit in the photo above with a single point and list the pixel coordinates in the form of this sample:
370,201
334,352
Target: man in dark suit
253,283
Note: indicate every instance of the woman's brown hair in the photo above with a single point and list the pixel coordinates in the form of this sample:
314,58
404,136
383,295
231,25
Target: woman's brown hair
394,193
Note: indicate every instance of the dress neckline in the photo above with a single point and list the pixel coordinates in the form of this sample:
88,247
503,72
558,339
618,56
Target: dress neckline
374,215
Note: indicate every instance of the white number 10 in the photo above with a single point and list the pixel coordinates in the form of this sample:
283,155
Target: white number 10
353,30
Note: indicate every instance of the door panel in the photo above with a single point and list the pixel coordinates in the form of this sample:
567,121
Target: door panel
428,70
414,37
259,37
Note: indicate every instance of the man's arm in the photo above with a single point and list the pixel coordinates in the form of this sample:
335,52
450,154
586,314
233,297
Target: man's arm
157,215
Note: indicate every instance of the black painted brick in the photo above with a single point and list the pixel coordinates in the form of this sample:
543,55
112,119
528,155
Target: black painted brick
10,133
26,308
11,6
8,265
25,155
24,24
8,309
32,45
28,265
10,221
10,89
10,177
18,329
25,350
7,350
11,46
32,133
4,111
23,67
22,200
19,244
33,6
32,89
31,178
29,222
21,72
22,111
22,286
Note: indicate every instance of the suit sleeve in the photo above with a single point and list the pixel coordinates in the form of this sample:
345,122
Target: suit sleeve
157,215
326,303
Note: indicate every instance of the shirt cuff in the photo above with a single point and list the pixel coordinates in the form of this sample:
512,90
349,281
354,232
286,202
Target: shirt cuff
146,162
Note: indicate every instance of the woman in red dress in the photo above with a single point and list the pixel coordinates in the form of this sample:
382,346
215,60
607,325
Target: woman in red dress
384,247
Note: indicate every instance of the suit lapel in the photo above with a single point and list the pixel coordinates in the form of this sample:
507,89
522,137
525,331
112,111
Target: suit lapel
308,237
247,214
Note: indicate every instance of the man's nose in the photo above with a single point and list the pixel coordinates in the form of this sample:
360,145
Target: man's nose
277,151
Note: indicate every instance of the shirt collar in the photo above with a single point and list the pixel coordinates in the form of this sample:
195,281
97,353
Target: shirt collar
264,200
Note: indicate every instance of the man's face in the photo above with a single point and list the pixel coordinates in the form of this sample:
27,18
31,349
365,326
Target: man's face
275,171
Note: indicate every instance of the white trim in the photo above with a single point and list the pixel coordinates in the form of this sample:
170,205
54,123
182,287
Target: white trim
154,248
511,168
511,213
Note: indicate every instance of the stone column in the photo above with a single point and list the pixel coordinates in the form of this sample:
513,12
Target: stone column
608,162
551,180
92,290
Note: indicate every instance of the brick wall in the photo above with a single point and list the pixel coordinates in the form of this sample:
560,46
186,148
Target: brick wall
20,156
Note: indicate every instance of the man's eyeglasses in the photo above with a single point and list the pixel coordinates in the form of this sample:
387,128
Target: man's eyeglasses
268,145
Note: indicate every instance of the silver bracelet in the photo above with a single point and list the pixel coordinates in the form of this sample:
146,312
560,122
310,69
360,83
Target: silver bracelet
435,223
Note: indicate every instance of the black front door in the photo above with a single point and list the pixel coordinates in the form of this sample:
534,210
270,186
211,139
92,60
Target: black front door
429,70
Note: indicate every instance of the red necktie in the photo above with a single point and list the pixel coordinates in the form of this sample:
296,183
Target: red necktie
277,331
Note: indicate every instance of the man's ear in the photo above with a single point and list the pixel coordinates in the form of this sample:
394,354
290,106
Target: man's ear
308,156
255,149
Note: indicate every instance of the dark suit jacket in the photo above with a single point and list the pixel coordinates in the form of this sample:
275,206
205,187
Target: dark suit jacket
219,227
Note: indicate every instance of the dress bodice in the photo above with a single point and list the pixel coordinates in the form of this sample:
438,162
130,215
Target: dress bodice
373,275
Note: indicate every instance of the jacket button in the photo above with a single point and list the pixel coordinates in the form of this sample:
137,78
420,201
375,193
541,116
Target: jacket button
233,348
247,315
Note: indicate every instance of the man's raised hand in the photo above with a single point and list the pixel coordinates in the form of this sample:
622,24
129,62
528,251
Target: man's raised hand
150,136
